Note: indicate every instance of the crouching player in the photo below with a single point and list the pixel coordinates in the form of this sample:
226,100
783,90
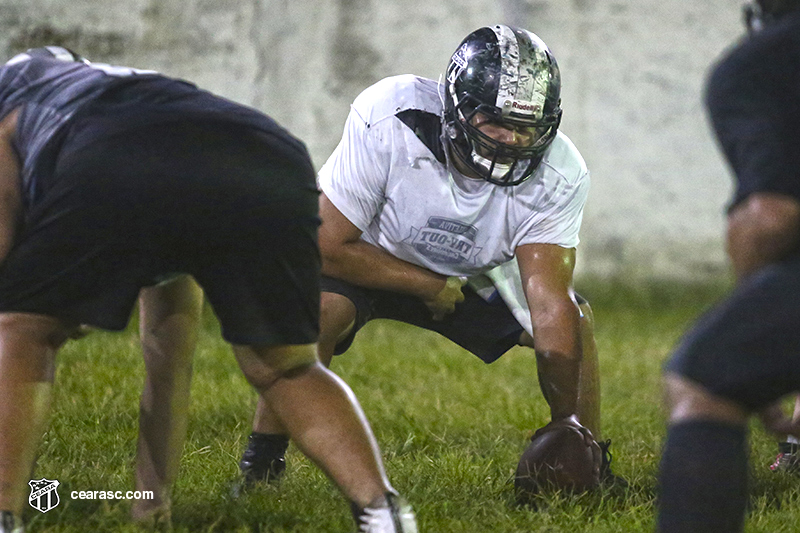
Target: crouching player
113,178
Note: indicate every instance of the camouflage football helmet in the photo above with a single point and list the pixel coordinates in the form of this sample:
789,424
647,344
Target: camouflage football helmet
509,75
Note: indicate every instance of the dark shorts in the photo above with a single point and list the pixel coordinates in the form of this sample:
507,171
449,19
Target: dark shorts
747,348
488,329
235,207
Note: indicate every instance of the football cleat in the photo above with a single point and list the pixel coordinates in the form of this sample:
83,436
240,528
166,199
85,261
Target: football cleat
262,462
10,523
396,517
607,477
262,469
788,459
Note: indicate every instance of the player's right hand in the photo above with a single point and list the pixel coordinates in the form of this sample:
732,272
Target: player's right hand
445,302
573,423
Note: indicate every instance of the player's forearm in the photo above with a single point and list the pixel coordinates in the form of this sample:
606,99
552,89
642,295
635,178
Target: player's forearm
558,357
365,265
558,378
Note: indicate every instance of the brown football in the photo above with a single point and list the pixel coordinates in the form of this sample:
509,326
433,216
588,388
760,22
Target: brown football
557,458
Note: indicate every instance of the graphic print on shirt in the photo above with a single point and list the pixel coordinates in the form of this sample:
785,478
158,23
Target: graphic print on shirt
445,241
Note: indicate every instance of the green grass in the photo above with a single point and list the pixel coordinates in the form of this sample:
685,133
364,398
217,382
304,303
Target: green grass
451,430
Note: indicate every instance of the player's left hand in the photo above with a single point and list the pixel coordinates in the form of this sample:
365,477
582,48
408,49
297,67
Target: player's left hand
776,421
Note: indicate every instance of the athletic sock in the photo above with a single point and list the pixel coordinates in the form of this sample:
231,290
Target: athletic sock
703,478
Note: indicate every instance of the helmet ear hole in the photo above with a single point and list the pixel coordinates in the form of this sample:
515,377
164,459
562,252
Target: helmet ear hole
511,76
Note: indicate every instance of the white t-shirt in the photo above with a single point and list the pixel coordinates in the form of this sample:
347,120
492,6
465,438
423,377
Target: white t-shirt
390,185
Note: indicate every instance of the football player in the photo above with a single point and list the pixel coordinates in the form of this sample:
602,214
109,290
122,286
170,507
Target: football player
456,207
113,179
744,355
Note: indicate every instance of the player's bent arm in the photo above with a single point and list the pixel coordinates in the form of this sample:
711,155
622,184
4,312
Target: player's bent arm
763,229
345,256
10,188
546,271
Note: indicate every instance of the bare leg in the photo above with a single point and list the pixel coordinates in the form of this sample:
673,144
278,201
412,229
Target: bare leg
321,416
28,345
337,318
686,400
169,320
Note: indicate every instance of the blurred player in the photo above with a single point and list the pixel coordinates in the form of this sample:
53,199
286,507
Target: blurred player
433,183
113,179
744,355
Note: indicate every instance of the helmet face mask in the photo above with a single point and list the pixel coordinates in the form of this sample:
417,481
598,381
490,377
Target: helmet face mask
509,78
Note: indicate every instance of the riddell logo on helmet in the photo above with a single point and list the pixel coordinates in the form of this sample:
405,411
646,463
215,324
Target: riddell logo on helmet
522,106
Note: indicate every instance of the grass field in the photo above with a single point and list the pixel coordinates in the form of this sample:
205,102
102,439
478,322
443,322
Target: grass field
450,427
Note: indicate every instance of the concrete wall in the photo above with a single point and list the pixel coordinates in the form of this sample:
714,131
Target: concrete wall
632,86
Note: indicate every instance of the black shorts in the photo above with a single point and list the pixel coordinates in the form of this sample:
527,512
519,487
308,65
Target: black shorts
488,329
234,206
747,348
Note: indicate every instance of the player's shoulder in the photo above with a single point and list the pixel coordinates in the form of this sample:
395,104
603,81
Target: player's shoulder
773,52
563,159
394,94
44,54
37,64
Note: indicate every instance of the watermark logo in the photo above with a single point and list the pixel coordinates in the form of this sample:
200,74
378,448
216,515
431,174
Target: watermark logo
43,494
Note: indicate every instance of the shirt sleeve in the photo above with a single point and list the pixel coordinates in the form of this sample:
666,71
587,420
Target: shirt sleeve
354,176
560,220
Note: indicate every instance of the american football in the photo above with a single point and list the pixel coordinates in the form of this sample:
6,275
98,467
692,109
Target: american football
558,458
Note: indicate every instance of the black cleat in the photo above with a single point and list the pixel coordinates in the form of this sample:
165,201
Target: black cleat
262,462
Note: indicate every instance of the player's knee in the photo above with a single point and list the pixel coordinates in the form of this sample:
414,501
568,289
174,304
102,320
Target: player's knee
337,320
263,365
34,328
30,342
289,359
687,400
